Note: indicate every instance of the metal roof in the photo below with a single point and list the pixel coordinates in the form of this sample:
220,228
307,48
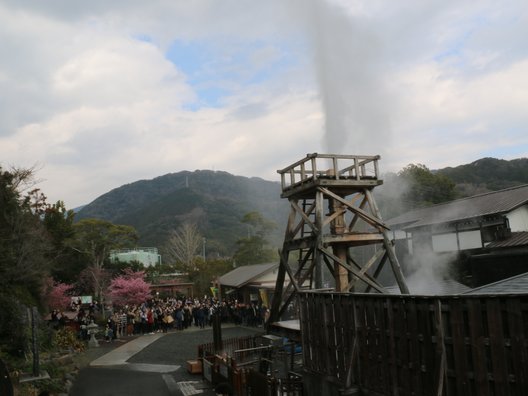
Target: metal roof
431,287
491,203
514,285
245,274
516,239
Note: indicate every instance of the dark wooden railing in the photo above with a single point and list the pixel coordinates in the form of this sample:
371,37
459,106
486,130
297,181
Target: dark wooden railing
412,345
330,166
230,348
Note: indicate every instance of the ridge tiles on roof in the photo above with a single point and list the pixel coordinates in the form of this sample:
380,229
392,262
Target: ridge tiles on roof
463,208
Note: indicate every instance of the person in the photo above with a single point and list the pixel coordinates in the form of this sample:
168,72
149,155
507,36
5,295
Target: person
109,333
150,321
144,324
179,318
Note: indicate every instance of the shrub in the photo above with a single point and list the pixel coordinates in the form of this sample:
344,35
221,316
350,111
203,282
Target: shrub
66,338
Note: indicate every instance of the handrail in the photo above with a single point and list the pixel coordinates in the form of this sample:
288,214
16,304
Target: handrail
333,166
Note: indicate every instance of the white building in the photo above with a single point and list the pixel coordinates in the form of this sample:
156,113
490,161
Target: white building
148,256
489,231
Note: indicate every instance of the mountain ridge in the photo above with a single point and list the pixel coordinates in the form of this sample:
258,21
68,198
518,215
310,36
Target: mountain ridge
216,201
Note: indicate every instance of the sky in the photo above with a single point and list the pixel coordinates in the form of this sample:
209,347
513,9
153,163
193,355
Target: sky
98,94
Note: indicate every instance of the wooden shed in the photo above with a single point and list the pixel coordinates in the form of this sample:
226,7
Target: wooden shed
250,283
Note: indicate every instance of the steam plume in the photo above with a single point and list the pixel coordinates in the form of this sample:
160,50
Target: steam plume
348,58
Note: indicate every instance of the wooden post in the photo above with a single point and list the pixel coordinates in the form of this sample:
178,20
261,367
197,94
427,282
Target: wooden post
34,341
337,227
308,244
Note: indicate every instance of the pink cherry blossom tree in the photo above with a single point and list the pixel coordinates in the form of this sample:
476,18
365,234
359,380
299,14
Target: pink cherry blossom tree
57,294
129,288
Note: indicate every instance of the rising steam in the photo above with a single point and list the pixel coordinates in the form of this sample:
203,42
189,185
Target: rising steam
348,60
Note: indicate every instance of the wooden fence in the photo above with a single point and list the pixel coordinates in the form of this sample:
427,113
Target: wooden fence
229,348
412,345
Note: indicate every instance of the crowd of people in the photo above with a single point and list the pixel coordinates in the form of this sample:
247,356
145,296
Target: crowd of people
162,315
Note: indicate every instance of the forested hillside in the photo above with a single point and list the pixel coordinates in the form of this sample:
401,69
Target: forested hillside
487,174
217,201
214,201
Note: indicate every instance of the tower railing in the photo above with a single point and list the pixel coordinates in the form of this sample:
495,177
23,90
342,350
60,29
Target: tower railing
329,166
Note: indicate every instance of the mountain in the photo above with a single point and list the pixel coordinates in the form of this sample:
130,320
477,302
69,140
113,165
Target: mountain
487,174
215,201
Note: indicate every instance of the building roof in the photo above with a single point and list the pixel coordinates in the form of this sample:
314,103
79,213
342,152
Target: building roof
431,287
491,203
514,285
240,276
516,239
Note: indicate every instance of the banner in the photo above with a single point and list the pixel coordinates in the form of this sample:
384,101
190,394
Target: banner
264,297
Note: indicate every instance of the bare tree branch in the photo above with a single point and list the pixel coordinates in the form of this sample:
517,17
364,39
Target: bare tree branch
184,243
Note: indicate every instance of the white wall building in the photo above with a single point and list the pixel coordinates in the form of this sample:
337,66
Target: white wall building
148,256
490,228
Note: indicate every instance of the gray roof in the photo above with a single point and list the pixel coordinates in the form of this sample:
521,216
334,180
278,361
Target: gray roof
431,287
514,285
245,274
516,239
491,203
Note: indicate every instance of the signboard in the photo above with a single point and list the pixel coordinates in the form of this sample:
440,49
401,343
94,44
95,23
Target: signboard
264,297
84,299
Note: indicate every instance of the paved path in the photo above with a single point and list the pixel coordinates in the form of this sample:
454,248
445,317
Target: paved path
152,364
119,356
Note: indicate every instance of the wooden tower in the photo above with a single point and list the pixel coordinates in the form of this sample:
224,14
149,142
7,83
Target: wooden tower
332,212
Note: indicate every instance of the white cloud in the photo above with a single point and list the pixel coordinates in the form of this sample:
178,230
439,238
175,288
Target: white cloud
89,94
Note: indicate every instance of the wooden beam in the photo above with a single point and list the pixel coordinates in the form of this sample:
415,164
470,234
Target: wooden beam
372,278
289,233
336,259
366,237
329,266
366,267
333,216
299,243
356,216
396,269
378,270
290,273
375,222
277,296
304,216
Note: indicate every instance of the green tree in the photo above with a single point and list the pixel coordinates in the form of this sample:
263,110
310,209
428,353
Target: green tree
424,188
24,256
24,242
153,273
59,224
94,239
206,272
255,248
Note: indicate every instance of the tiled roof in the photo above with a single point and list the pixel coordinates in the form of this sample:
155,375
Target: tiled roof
516,239
514,285
496,202
245,274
